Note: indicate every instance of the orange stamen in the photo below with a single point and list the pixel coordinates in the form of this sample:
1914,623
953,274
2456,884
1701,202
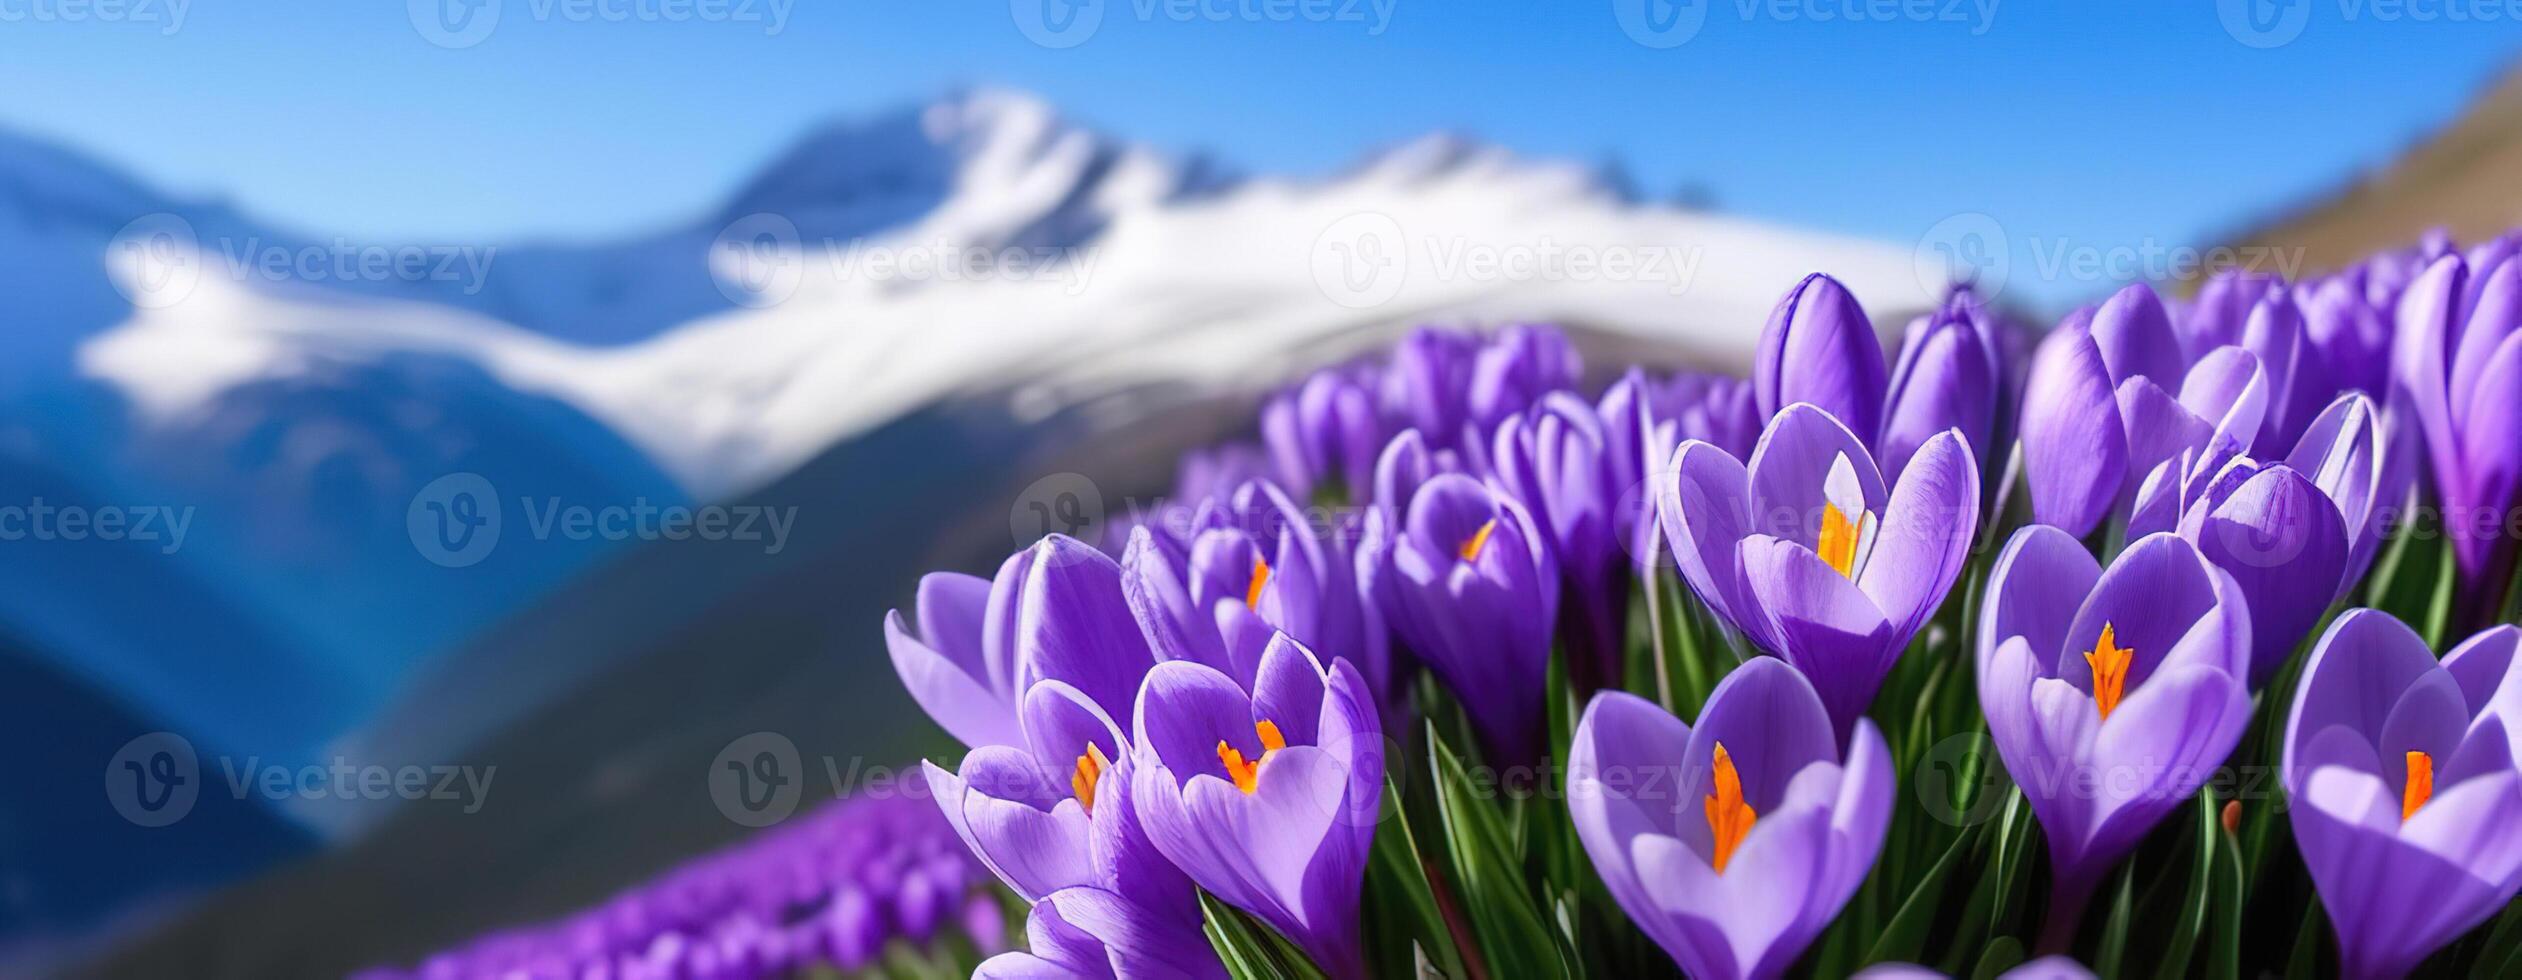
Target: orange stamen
1247,775
1729,818
1479,540
1090,767
1260,578
2110,671
2420,785
1838,541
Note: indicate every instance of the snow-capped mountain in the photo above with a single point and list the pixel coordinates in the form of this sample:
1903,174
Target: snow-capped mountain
982,239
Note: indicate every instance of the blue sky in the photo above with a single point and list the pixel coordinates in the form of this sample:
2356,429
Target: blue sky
2101,124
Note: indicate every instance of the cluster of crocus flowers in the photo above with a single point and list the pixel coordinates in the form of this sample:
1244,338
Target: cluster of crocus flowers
830,889
2207,481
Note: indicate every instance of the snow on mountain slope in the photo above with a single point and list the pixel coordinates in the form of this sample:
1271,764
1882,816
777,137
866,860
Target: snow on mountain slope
1043,255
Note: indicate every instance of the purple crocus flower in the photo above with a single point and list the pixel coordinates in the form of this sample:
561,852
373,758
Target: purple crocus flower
1820,348
1257,565
1734,842
1812,556
1325,432
2319,515
1267,797
2096,419
1556,459
1468,582
2407,804
2281,538
959,668
2461,374
1946,380
2220,315
2111,695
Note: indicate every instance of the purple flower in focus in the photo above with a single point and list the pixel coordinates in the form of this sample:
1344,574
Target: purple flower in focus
2407,804
2044,968
1812,556
2111,695
1267,797
1468,581
1734,842
961,667
1819,348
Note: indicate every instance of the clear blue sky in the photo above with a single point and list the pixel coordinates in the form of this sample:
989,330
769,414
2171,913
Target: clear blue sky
2105,123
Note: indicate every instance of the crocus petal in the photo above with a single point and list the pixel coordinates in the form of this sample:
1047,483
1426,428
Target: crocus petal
967,710
1926,535
1820,348
2150,598
2134,335
1060,721
1076,625
1827,627
1184,710
2159,746
2275,534
1287,690
2039,582
1155,582
2229,388
1706,512
2491,451
2354,678
1772,723
1790,470
1946,382
2075,450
